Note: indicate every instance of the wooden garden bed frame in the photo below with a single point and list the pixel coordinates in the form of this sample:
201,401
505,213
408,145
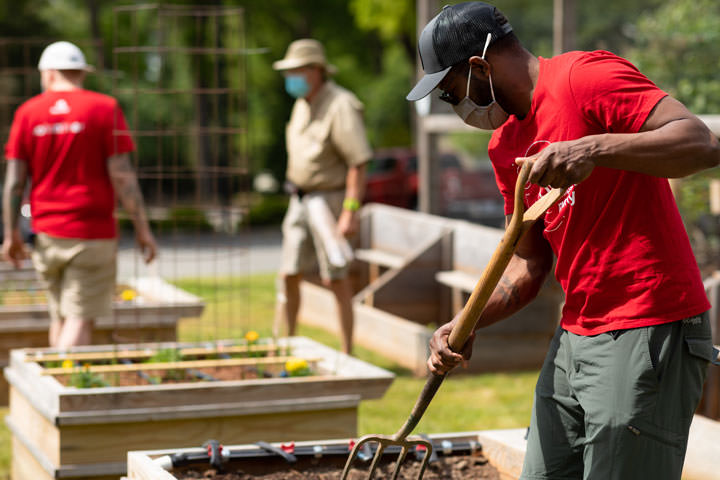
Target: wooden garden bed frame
151,317
504,449
66,432
416,271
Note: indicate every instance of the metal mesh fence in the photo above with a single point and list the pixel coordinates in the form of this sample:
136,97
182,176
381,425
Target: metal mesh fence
179,73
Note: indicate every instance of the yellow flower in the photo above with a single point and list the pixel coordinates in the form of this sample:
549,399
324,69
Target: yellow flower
296,366
128,294
252,336
68,364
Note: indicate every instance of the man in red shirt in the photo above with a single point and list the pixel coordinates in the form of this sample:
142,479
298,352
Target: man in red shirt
74,147
625,369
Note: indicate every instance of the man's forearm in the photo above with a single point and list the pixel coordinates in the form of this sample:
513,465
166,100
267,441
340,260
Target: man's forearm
127,189
671,143
522,279
355,182
518,286
14,188
680,148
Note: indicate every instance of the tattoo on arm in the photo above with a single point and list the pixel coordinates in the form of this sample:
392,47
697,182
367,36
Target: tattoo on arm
509,293
15,179
126,187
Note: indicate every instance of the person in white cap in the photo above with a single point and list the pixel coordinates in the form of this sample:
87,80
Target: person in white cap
73,145
327,151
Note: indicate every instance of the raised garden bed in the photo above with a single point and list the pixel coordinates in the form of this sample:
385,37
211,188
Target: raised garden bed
414,271
238,391
498,454
145,310
491,455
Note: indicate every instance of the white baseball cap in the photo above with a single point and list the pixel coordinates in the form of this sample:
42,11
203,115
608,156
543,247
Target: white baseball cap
63,56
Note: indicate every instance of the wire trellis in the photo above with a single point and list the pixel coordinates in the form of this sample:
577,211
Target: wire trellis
180,75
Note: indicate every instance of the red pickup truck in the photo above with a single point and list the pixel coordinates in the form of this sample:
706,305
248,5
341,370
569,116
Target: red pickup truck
392,178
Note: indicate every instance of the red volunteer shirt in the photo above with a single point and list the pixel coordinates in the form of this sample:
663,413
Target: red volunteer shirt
623,256
66,139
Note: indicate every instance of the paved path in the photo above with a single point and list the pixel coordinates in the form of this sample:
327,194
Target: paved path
205,255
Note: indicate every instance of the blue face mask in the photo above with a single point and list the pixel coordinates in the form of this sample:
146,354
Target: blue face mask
296,86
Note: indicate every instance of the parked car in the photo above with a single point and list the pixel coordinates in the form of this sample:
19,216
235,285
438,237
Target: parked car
392,179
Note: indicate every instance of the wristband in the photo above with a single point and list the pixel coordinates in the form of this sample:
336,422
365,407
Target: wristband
351,204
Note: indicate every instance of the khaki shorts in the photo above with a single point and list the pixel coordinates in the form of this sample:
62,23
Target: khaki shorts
302,248
79,275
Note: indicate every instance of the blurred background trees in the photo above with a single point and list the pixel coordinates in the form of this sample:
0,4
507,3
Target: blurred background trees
372,42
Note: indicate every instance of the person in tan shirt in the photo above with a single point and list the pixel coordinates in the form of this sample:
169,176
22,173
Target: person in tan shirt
327,151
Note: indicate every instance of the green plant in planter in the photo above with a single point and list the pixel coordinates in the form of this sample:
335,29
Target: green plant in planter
297,367
252,338
168,355
84,378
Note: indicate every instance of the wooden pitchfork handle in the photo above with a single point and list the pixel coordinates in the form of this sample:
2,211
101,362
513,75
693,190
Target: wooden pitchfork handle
520,223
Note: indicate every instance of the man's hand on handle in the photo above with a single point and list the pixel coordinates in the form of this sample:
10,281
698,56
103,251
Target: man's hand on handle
560,164
442,359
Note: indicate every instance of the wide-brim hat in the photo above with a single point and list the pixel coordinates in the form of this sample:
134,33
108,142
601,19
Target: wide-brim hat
302,53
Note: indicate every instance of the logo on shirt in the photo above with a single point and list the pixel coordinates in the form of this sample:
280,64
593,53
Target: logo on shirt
556,215
59,128
61,107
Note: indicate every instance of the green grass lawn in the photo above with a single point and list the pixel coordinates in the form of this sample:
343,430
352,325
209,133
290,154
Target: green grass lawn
464,402
235,306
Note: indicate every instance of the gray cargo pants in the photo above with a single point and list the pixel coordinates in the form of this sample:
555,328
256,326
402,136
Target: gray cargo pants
618,405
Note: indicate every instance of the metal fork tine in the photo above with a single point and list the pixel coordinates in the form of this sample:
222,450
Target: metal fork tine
376,459
400,460
348,464
425,460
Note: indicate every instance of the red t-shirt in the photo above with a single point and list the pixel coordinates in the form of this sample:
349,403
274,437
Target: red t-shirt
623,256
66,139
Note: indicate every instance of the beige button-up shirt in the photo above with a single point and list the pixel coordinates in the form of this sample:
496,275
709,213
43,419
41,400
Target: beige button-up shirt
324,138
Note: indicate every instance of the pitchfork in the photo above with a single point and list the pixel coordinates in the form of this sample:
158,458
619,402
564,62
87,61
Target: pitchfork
520,223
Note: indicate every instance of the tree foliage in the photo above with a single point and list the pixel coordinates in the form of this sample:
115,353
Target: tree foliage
678,46
373,44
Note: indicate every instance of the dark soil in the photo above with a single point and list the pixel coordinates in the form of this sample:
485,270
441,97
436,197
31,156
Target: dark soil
445,468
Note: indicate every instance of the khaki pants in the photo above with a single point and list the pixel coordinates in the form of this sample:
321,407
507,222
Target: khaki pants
302,247
79,275
618,406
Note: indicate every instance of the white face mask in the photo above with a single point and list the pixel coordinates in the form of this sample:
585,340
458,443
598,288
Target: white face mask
488,117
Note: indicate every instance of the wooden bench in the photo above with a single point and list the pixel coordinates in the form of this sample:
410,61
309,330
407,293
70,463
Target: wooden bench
390,236
460,282
378,260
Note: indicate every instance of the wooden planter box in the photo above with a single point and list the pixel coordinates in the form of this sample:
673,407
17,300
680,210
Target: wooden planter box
151,317
710,402
66,432
504,449
420,270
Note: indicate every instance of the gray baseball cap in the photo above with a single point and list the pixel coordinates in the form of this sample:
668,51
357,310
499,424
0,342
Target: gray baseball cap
455,34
